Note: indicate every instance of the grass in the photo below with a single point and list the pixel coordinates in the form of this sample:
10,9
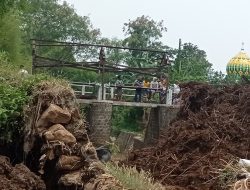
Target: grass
131,179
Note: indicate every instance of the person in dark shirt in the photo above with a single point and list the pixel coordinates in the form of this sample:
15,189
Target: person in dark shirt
138,91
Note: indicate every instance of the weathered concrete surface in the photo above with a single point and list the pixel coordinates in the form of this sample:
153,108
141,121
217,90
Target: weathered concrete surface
159,118
153,127
166,115
125,141
100,122
118,103
100,114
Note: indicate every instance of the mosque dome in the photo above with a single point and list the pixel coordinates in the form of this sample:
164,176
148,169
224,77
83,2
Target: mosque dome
239,64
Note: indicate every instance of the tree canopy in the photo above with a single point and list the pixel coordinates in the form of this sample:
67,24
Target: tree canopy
190,64
143,32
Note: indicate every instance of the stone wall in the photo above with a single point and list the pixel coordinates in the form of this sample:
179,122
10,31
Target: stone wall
100,122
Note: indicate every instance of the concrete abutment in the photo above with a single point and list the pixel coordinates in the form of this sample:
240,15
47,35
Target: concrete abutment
100,115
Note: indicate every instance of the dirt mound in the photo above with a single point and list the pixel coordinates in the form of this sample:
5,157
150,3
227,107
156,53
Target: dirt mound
212,128
18,177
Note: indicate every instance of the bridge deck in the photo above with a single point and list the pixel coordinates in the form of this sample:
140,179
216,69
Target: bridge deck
118,103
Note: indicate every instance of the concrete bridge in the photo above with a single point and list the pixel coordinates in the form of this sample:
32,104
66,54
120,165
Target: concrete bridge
89,92
100,114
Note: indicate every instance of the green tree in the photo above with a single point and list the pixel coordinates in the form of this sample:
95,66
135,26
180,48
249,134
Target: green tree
143,32
190,64
55,21
50,20
7,5
10,35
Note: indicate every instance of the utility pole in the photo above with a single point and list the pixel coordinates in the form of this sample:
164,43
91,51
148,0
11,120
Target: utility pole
101,63
179,52
33,44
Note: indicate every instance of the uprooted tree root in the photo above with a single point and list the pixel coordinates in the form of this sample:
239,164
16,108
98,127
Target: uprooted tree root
56,141
212,128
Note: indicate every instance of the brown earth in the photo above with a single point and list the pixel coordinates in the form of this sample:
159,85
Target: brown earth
18,177
211,130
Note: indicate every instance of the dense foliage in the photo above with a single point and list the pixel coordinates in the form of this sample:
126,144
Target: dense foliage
14,95
191,64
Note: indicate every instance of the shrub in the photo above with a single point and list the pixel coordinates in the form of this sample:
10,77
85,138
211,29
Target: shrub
12,100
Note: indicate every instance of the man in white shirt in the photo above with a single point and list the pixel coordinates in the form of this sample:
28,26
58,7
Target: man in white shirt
154,85
22,72
176,91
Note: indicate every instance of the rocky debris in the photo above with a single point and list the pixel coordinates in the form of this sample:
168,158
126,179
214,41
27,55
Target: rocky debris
212,129
125,141
53,115
18,177
69,163
58,133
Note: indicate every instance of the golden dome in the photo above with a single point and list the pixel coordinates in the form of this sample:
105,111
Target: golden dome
239,64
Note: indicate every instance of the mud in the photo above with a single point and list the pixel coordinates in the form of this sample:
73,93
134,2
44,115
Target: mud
211,130
18,177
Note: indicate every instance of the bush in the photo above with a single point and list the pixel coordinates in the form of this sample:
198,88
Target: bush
126,119
14,95
12,100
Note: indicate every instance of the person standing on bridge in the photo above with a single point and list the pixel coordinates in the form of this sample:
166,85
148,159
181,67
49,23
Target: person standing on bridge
146,86
164,87
138,91
154,86
119,85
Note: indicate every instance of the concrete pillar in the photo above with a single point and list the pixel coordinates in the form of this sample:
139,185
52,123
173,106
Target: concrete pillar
153,127
159,118
163,114
100,122
171,113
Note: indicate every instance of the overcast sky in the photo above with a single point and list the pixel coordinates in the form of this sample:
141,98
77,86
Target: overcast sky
216,26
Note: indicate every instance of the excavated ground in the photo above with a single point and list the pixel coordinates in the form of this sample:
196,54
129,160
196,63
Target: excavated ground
18,177
211,130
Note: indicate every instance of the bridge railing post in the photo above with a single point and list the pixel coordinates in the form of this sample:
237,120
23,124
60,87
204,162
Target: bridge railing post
105,91
112,89
83,89
99,93
169,97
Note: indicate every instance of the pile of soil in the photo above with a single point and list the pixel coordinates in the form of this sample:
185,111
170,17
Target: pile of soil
211,130
18,177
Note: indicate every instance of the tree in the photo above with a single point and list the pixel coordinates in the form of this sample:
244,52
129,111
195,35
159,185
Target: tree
50,20
190,64
7,5
10,35
143,32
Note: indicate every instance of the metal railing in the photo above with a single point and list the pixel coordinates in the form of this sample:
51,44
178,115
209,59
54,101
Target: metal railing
94,91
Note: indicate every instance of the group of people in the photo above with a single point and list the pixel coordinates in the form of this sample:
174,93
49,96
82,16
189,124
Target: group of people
150,88
145,88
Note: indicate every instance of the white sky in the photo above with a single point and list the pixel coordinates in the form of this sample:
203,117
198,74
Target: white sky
216,26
